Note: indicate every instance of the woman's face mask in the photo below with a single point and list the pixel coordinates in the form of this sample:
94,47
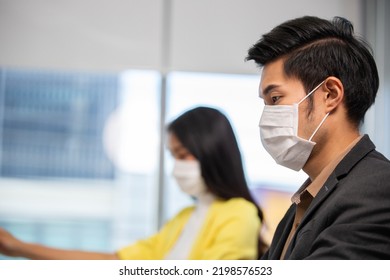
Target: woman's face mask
188,176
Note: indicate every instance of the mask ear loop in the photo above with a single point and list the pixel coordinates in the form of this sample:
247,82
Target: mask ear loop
311,92
318,127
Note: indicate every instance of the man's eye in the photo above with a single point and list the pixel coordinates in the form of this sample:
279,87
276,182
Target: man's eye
275,98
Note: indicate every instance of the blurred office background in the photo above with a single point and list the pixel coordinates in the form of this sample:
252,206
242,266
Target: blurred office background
87,87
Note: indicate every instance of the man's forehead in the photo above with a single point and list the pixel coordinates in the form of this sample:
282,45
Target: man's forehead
271,76
273,70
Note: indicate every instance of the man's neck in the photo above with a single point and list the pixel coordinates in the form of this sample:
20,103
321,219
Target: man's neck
329,151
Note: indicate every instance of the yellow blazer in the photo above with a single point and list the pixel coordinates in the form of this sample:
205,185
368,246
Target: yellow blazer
230,231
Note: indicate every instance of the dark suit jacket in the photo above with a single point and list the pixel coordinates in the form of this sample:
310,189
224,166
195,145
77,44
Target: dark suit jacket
350,216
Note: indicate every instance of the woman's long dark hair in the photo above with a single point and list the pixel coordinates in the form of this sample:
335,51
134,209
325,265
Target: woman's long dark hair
208,135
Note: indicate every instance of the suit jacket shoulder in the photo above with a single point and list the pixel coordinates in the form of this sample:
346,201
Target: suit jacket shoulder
350,216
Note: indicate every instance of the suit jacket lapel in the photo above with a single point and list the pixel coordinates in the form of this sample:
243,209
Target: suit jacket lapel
281,234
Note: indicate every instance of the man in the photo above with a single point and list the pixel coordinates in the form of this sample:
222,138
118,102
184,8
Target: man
317,82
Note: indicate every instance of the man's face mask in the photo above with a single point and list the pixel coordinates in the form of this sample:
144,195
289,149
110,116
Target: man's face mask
279,134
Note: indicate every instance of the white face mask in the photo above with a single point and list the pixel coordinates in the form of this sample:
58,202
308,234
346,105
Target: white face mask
279,134
189,178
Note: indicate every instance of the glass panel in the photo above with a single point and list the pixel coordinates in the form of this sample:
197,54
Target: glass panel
52,124
78,156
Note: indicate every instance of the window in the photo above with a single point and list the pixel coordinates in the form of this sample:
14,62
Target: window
51,124
78,156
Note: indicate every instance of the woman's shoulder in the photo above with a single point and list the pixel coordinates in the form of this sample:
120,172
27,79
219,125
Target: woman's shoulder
236,204
237,210
184,212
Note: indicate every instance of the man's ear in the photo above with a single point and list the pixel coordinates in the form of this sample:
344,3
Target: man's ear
334,93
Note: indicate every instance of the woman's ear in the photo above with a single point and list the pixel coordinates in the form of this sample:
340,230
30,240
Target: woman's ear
334,93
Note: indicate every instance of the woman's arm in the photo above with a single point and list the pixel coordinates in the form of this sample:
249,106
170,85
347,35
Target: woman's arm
13,247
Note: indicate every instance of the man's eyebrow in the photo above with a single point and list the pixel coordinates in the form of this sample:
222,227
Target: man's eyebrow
268,89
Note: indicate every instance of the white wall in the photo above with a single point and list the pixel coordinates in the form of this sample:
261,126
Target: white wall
214,35
113,35
81,34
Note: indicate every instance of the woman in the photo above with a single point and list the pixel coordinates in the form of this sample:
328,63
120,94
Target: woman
225,221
